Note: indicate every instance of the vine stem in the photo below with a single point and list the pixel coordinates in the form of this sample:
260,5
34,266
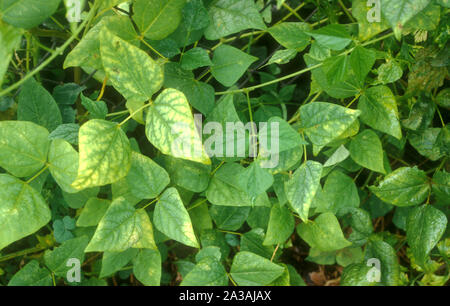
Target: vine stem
102,90
270,82
346,11
275,252
196,204
22,253
141,38
300,72
150,203
356,98
231,279
37,174
55,53
135,112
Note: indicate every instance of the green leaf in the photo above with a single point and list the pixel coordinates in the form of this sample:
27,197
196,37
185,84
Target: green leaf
172,219
207,272
9,40
62,229
147,267
349,256
253,240
23,147
114,261
211,251
67,94
68,132
281,225
170,127
291,35
294,277
63,164
77,200
23,211
288,137
37,105
379,110
284,279
31,275
57,259
398,12
200,216
222,144
344,88
338,156
361,222
361,61
441,186
131,71
368,27
188,174
195,20
336,69
324,233
389,72
156,19
200,95
229,218
93,212
385,253
122,227
282,57
249,269
323,122
229,64
27,13
96,109
333,36
405,186
424,228
426,143
339,194
232,16
105,154
195,58
146,179
302,187
356,275
212,237
87,52
443,98
256,180
366,150
225,190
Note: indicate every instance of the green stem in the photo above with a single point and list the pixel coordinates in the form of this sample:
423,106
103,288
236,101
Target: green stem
37,174
230,232
150,203
197,204
290,9
153,49
217,168
356,98
135,112
346,11
22,253
270,82
231,279
289,76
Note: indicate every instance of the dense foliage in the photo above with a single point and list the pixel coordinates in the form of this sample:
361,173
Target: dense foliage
92,170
